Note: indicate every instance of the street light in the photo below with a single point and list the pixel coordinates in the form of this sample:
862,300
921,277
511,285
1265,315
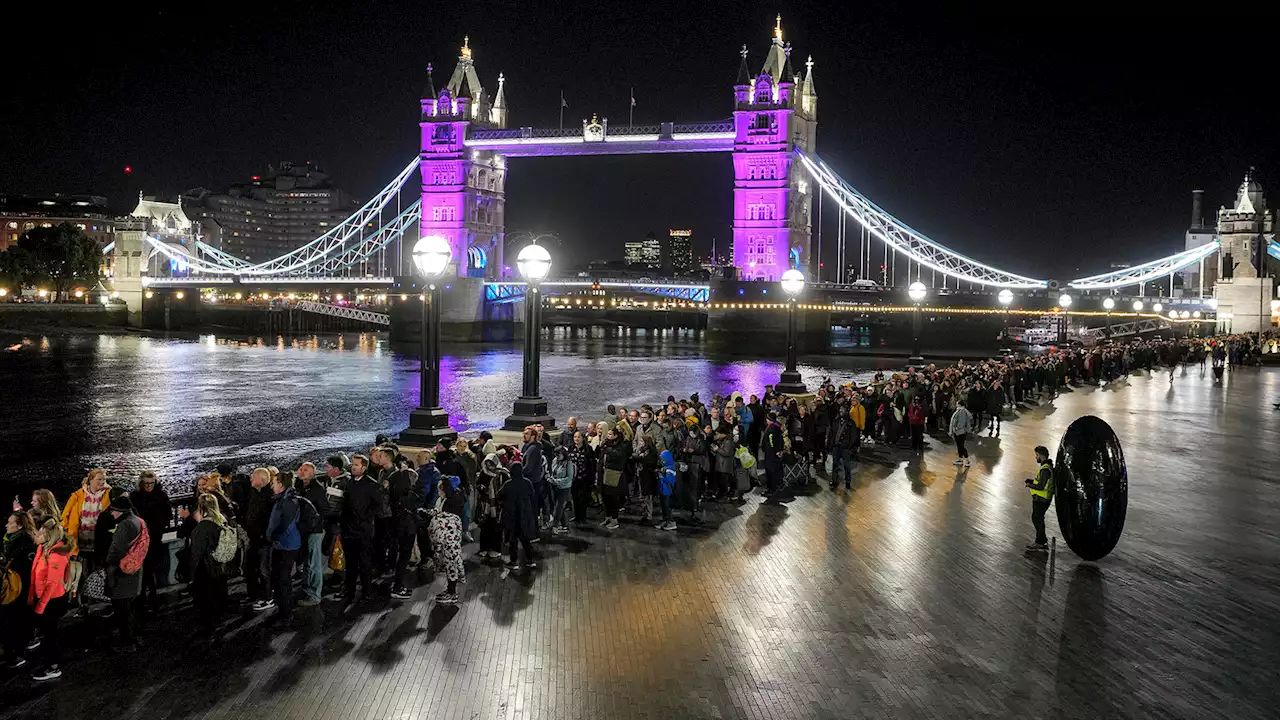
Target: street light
1157,308
792,285
1212,303
1006,298
1064,302
429,423
534,262
916,291
1137,306
1108,304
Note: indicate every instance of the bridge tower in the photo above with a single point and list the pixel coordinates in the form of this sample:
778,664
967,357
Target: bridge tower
464,193
1246,274
775,113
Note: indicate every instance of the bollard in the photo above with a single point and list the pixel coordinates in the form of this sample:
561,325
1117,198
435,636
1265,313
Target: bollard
1053,556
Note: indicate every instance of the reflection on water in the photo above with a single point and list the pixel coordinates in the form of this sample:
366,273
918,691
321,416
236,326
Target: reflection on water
180,406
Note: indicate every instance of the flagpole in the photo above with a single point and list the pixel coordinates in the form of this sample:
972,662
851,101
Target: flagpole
561,109
631,111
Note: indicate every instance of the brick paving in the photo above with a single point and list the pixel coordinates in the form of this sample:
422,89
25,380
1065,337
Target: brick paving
909,597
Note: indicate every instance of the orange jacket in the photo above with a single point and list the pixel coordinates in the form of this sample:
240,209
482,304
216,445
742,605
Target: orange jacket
48,575
858,414
71,516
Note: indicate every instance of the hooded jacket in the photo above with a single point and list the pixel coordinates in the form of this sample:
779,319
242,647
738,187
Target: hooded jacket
667,475
48,575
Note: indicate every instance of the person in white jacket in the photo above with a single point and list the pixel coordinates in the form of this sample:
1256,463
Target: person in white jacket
961,424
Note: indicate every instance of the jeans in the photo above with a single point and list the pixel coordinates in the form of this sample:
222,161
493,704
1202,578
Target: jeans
255,579
282,562
312,566
359,557
557,509
840,464
664,501
1038,508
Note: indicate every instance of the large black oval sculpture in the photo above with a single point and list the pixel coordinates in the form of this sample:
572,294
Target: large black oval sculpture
1091,487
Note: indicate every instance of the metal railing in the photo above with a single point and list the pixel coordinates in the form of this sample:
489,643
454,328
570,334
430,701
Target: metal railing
346,313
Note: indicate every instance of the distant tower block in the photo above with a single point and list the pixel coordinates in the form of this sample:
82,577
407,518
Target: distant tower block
463,193
772,198
1245,271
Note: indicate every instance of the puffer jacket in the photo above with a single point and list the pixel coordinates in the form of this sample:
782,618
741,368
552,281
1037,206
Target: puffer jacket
48,573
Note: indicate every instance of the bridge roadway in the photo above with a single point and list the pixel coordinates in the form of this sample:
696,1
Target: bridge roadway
909,597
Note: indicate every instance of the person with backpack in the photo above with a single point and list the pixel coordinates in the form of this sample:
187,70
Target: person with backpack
152,504
47,595
213,545
130,542
562,473
285,539
313,499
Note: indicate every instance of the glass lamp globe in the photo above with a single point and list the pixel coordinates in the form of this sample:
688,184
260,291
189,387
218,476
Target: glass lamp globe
1137,306
1158,308
1064,301
1005,296
534,263
916,291
431,255
1212,302
792,282
1196,314
1108,304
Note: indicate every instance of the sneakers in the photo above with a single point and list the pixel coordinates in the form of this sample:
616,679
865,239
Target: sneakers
400,593
16,663
50,673
336,596
512,565
447,598
557,530
611,525
308,602
33,644
1037,546
668,525
604,522
531,565
958,462
263,605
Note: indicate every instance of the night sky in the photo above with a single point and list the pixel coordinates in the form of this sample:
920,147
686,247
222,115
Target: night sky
1040,142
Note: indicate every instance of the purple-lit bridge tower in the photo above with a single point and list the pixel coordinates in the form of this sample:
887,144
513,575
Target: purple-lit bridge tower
466,145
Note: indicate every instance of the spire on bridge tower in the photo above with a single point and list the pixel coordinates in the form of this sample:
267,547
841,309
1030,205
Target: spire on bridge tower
498,114
775,61
742,88
430,90
808,105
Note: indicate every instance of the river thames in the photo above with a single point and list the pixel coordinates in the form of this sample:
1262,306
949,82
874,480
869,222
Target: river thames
181,405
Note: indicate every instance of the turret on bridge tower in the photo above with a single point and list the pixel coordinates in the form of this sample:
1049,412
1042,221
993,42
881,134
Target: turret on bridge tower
772,199
463,192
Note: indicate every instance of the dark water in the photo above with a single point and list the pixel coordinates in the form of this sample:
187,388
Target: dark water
182,405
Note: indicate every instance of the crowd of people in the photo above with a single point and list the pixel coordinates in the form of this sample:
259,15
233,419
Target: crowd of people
376,518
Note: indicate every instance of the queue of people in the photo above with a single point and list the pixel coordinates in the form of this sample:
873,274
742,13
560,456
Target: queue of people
375,518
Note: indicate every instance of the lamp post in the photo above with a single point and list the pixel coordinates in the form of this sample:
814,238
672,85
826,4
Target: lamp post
916,291
1006,298
1108,305
534,262
790,383
429,423
1064,302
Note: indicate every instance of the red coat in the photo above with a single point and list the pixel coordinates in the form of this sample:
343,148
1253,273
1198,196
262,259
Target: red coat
916,415
48,573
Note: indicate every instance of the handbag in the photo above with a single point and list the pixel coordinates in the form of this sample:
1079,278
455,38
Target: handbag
337,558
10,586
95,586
612,478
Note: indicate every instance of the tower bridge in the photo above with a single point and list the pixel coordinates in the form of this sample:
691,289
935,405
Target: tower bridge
455,188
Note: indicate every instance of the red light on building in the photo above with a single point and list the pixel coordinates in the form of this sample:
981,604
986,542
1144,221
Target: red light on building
128,169
256,178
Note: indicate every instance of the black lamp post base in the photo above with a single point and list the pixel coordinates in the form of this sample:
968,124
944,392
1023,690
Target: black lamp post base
529,411
428,426
791,384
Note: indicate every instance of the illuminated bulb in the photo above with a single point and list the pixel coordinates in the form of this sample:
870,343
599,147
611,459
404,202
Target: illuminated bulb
115,294
43,293
149,294
337,297
79,293
238,296
180,295
1157,308
1137,306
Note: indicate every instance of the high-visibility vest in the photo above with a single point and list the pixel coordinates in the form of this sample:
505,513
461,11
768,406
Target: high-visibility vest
1047,492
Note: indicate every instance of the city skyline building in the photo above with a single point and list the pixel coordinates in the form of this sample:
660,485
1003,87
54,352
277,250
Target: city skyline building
272,214
679,251
89,213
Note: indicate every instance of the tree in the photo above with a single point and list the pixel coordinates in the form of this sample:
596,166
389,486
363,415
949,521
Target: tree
61,256
15,269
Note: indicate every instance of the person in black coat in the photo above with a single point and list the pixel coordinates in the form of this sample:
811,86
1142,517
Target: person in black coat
519,519
256,515
361,503
16,618
151,503
207,576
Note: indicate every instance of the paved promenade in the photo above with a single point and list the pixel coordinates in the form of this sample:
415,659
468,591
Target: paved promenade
910,597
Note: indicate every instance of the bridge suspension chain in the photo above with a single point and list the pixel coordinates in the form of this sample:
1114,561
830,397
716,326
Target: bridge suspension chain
1145,272
898,235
